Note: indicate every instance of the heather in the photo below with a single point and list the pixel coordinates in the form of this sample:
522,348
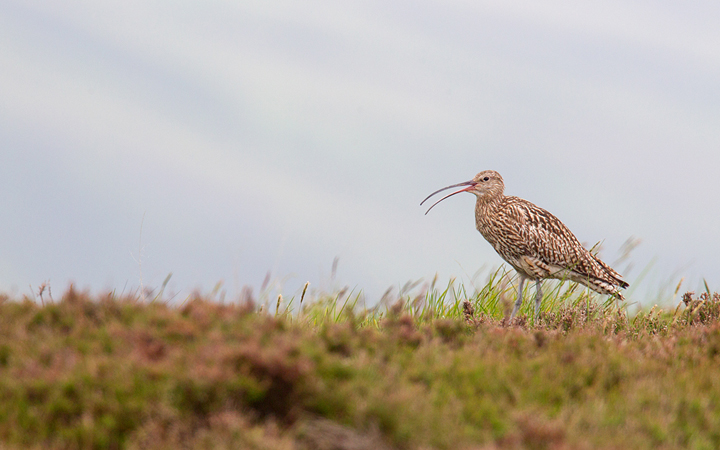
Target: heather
438,370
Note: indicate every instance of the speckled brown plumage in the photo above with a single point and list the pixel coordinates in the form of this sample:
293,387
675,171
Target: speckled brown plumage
536,243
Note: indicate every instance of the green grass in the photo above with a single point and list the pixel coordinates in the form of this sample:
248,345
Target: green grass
437,369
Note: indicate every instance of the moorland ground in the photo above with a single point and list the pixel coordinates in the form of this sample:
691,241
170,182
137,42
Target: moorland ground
437,371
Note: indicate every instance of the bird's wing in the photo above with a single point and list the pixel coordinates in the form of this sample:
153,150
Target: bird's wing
549,240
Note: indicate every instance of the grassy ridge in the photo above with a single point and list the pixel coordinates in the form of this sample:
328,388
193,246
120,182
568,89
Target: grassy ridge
441,370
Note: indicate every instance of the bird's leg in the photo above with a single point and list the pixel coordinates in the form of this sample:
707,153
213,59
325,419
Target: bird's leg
538,298
518,302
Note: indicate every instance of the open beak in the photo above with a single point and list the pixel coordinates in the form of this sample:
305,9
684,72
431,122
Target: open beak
470,184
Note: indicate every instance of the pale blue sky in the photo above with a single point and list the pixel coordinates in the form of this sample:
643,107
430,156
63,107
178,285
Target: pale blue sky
258,135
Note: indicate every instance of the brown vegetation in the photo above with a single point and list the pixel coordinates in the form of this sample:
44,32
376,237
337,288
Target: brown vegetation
107,372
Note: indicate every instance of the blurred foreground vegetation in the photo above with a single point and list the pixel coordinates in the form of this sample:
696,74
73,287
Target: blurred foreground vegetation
442,370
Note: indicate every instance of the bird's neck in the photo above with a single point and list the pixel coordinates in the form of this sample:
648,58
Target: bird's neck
488,201
485,205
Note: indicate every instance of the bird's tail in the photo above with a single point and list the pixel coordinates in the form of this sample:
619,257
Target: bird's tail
613,277
600,285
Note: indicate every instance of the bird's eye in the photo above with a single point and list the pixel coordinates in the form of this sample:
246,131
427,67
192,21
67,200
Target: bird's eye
486,178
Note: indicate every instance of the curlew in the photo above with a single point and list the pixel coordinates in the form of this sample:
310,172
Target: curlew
536,243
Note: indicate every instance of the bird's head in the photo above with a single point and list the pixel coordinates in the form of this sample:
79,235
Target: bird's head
485,185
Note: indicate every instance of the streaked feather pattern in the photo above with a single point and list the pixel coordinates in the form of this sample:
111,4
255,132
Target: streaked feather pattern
536,243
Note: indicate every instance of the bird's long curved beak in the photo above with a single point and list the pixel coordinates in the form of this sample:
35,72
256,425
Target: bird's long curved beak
470,184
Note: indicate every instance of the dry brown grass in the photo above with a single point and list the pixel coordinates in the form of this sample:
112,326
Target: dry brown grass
105,372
